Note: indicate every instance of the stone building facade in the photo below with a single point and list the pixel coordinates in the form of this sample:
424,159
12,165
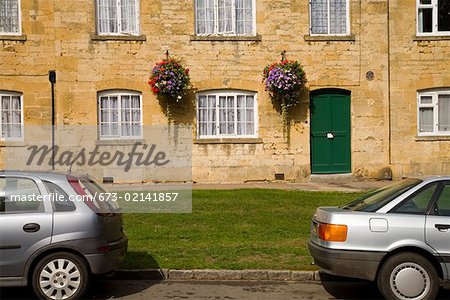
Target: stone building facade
378,56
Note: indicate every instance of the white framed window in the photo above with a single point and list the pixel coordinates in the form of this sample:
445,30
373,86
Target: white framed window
117,17
329,17
227,114
433,116
10,20
120,114
433,17
11,121
225,17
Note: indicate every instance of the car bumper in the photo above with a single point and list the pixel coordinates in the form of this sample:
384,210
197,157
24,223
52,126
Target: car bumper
103,263
355,264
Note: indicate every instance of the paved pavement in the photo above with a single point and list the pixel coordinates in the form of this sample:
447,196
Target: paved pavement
144,289
227,290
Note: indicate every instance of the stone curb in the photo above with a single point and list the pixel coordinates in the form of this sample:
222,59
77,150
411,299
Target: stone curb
169,274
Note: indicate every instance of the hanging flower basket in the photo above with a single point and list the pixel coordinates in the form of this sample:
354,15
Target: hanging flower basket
169,79
285,81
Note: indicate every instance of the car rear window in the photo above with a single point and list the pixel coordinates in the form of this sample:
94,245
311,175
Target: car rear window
92,188
375,200
61,201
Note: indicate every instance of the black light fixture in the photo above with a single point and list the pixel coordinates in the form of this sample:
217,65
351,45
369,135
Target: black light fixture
52,76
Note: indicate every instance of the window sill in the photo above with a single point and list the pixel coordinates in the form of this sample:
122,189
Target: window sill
16,38
224,38
423,38
15,143
432,138
119,142
329,38
125,38
228,141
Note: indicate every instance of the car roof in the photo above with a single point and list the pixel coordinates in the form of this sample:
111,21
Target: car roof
432,178
46,175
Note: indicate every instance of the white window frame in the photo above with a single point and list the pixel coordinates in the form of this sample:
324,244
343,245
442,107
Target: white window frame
225,93
347,22
19,24
216,21
11,94
119,20
118,94
434,7
434,94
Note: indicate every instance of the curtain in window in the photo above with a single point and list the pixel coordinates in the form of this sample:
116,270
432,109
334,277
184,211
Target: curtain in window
116,16
244,17
226,115
128,15
125,123
444,112
9,16
234,115
136,115
107,16
207,115
11,114
338,16
245,115
225,16
109,116
205,16
120,115
319,16
329,16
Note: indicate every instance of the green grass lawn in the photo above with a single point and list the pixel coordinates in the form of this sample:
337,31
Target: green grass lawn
229,229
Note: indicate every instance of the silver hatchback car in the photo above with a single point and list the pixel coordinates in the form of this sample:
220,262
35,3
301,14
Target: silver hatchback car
398,236
55,233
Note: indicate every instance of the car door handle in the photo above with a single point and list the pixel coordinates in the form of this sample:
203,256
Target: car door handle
442,226
31,227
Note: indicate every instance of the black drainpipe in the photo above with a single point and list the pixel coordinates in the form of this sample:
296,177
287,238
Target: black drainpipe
52,79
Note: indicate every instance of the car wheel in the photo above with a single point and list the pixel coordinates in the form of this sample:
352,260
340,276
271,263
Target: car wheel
408,276
60,276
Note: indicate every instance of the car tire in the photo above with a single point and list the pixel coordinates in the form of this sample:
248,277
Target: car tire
408,276
60,275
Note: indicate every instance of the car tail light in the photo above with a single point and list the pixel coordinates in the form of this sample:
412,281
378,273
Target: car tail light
103,249
332,232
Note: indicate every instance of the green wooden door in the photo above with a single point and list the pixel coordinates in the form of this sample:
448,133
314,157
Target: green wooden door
330,132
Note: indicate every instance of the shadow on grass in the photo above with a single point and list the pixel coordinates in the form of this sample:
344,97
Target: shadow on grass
139,260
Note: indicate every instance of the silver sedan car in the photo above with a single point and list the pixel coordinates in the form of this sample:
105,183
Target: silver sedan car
55,233
398,236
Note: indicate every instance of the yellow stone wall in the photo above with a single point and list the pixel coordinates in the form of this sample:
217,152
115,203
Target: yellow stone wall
59,36
415,65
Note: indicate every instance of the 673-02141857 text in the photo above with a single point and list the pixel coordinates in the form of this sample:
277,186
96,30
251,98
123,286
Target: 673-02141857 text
138,196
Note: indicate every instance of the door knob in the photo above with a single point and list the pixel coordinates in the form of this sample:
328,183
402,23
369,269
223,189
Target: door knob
442,227
330,135
31,227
